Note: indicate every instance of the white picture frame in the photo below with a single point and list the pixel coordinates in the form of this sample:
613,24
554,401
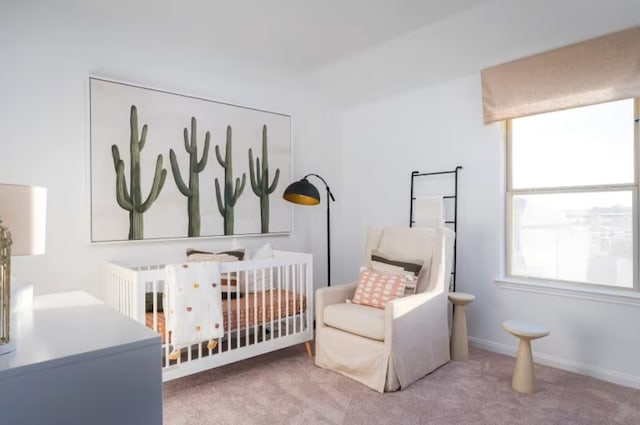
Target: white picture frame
120,211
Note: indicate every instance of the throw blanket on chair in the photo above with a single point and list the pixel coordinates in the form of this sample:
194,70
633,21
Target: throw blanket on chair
194,305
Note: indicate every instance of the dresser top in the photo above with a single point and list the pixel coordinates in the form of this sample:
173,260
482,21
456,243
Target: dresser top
69,327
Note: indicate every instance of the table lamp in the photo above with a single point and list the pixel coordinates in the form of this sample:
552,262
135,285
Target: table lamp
22,232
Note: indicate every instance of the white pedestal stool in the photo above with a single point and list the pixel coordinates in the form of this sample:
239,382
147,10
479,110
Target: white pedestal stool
524,380
459,343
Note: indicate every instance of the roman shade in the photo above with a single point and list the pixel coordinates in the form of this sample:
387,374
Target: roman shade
601,69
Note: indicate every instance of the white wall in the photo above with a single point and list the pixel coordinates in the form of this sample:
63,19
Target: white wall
437,125
48,51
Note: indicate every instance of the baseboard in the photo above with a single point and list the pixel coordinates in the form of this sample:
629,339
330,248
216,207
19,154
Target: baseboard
613,376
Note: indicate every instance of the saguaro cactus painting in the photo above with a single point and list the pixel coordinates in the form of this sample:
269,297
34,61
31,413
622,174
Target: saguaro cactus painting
130,198
227,199
260,181
192,192
203,199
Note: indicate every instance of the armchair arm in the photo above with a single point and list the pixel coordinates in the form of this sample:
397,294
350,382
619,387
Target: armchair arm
398,307
332,295
417,334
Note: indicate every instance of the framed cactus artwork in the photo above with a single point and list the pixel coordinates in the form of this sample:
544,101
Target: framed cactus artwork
167,165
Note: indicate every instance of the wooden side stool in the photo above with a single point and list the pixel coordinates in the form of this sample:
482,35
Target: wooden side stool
459,343
524,379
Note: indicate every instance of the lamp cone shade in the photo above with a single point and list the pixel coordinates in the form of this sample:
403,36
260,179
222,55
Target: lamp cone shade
302,192
23,212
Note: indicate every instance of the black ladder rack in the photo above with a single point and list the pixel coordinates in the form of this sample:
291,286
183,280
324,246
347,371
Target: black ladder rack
454,222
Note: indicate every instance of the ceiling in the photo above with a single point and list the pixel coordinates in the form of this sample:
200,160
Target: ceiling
298,35
306,35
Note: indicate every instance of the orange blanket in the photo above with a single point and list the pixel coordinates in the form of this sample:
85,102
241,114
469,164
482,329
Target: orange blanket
250,310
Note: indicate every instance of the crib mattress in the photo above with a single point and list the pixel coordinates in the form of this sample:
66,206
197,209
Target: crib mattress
252,309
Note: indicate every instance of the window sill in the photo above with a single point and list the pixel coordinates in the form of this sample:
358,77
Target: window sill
624,297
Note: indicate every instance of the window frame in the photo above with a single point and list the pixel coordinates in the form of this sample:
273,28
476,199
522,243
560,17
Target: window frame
510,193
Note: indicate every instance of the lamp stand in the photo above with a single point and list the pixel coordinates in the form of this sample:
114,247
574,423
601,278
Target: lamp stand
329,197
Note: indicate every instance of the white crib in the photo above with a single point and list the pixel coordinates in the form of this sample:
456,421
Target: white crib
270,306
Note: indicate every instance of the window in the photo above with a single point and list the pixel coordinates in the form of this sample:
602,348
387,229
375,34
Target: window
572,209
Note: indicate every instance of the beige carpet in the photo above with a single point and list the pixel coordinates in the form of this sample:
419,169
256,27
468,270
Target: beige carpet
285,387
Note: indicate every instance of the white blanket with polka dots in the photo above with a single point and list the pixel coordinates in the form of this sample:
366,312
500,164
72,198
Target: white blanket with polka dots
194,303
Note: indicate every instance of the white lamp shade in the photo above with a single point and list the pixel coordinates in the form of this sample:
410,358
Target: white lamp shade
23,210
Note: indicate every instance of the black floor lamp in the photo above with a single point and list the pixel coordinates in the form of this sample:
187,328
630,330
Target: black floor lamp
303,192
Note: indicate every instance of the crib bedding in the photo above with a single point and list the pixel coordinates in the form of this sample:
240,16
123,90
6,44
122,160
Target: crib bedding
240,313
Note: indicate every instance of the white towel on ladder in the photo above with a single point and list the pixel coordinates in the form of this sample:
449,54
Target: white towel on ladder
194,303
428,211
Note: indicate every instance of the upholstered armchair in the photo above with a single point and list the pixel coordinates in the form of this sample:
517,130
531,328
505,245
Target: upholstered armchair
390,348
